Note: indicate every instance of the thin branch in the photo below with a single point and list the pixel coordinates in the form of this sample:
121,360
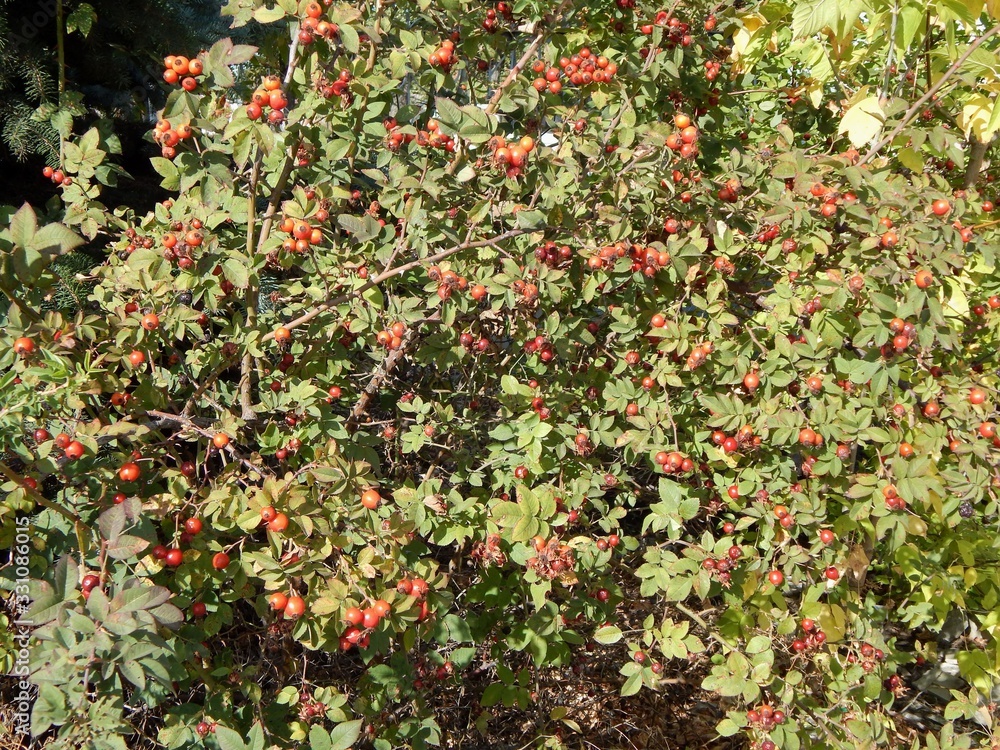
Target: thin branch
917,105
37,496
194,427
399,270
519,65
892,51
383,372
275,200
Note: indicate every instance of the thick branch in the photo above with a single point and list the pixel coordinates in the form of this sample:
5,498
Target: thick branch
918,105
977,152
246,366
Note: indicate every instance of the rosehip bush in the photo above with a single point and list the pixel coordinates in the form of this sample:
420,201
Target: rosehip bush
478,344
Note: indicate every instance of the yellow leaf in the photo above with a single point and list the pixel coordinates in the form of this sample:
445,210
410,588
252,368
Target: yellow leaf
863,121
993,8
745,34
814,90
975,117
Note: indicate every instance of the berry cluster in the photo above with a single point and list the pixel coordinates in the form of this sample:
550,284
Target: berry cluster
552,558
685,139
993,303
392,338
135,241
444,56
268,96
744,439
448,281
469,341
770,232
204,728
310,709
903,333
553,255
673,462
432,137
812,639
542,346
313,25
699,355
723,265
488,552
513,155
168,137
867,654
57,176
290,605
892,500
678,31
722,567
527,291
712,70
539,407
395,139
179,68
180,243
427,673
301,234
647,260
492,21
809,437
581,69
337,87
765,716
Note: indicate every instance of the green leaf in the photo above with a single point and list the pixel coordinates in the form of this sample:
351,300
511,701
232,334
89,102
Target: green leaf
449,115
727,728
360,228
81,19
319,738
345,734
126,546
812,16
49,708
236,272
268,15
112,522
168,171
608,634
229,739
632,685
349,38
23,226
530,219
